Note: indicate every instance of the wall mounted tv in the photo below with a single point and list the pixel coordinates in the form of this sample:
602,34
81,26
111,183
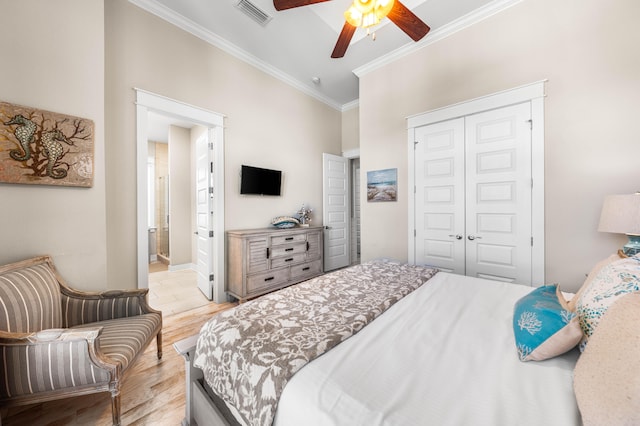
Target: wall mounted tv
257,181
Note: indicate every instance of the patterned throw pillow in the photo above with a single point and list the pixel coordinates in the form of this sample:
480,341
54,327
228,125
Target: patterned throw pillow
613,281
542,328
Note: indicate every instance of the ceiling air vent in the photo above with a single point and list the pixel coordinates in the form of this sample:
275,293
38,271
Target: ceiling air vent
254,12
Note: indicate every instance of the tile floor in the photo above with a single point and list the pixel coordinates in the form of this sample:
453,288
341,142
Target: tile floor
173,291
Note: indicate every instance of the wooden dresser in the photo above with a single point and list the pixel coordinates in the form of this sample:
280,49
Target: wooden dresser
263,260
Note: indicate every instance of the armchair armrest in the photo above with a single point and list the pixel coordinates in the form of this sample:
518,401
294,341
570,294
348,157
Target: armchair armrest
31,362
49,336
80,307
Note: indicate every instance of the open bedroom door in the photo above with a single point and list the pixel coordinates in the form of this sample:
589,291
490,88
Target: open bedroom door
209,215
204,216
335,211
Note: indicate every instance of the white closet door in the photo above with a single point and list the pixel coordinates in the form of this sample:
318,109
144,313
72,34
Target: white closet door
439,196
498,194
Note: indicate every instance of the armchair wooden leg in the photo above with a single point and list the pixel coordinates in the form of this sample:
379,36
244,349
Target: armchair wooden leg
115,407
159,340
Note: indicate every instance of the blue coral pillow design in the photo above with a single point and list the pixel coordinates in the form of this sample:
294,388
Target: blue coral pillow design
542,328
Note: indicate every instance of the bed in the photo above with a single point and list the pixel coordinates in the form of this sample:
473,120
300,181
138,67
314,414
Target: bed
437,349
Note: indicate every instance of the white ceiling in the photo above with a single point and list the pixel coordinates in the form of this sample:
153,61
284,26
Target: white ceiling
296,44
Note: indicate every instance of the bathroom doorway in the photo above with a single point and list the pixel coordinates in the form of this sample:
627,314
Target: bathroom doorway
186,123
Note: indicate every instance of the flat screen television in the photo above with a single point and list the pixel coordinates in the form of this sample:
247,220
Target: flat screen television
257,181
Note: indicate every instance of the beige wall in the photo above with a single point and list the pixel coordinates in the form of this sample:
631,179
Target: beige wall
587,49
55,61
268,124
180,208
351,129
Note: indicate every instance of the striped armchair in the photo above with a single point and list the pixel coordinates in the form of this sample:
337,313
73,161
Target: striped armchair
57,342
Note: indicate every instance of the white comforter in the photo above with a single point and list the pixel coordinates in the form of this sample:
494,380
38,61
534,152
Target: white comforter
443,355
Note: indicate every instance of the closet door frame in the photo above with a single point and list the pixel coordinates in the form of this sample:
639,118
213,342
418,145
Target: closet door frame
533,93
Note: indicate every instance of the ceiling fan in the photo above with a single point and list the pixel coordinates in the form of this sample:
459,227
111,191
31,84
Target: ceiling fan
365,14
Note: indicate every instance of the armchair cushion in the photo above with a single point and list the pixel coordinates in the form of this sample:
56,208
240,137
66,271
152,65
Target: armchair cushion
29,299
123,339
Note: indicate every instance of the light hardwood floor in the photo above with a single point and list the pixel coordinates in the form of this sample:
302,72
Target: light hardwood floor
153,392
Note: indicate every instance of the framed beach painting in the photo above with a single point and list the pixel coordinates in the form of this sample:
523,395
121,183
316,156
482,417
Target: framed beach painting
382,185
45,148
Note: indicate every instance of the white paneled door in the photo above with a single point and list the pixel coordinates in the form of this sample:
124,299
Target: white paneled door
473,205
335,211
498,193
204,215
439,196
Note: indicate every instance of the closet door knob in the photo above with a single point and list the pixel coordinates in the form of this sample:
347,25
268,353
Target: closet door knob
457,236
473,237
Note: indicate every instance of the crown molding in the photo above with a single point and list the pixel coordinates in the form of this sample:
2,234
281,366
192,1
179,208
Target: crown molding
163,12
453,27
202,33
350,105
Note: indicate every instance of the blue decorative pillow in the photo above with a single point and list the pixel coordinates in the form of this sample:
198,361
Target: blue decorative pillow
543,329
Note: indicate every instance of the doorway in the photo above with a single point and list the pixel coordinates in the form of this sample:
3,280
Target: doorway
148,103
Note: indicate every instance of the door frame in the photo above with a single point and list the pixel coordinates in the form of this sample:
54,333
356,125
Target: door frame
353,154
533,93
150,102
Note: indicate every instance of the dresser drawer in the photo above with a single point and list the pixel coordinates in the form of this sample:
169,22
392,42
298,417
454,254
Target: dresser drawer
257,255
286,239
288,260
268,279
288,250
306,269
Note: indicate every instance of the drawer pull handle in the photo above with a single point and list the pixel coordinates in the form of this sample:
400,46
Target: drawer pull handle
289,249
267,252
306,268
289,259
288,239
269,279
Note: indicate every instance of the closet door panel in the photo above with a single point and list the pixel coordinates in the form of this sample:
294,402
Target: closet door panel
498,194
439,195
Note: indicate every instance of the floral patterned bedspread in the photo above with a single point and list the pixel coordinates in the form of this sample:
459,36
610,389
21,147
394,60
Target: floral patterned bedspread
249,353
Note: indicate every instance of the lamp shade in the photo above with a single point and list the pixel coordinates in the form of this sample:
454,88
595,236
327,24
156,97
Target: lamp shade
621,214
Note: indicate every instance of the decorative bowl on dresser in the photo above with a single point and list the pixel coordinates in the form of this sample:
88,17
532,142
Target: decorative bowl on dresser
263,260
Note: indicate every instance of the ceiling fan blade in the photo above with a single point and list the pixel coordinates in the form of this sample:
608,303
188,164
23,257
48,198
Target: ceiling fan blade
407,21
290,4
343,40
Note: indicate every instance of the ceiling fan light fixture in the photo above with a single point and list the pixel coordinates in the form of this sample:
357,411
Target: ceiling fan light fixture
364,6
353,16
367,13
383,7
